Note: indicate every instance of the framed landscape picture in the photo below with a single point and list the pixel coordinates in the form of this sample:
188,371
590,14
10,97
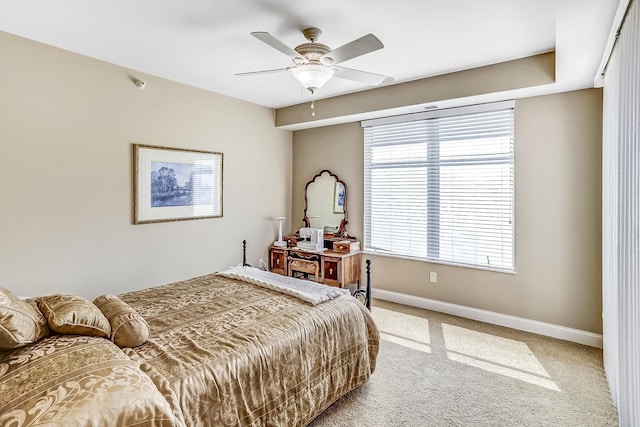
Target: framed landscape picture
338,198
173,184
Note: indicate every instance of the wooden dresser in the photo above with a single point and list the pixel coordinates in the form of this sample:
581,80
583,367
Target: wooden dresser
329,267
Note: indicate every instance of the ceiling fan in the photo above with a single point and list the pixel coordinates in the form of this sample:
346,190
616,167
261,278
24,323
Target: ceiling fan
315,63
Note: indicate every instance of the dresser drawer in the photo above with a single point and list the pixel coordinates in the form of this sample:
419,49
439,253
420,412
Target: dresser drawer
331,271
278,261
346,246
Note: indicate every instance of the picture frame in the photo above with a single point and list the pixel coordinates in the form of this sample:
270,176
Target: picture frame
176,184
338,197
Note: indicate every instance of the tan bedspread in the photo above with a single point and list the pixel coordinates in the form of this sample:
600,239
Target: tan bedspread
229,353
70,380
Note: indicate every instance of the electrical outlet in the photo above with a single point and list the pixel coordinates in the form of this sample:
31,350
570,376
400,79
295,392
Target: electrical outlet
433,277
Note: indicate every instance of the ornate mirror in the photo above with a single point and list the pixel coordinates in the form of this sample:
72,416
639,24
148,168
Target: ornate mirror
325,204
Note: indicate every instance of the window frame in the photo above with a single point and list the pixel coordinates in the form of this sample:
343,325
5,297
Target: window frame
435,114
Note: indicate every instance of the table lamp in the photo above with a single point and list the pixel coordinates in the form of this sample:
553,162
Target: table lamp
280,243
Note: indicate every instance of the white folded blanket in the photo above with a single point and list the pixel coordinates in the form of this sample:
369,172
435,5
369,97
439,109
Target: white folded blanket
308,291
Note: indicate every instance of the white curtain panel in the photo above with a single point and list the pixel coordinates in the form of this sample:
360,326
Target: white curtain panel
621,220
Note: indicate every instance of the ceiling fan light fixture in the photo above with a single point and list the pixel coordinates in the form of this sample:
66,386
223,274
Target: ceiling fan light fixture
312,76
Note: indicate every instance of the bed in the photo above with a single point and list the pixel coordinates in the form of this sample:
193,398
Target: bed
222,349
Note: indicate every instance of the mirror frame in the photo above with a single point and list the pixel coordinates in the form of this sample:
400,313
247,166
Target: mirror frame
342,228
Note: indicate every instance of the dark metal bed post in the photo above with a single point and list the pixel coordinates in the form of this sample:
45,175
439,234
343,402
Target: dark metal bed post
368,262
244,253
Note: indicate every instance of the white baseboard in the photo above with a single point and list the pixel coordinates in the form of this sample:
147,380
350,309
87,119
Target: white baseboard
520,323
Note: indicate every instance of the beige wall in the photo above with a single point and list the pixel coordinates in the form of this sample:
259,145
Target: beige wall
558,220
338,148
67,123
538,70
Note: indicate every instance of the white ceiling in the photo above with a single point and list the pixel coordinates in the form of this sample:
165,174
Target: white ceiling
203,43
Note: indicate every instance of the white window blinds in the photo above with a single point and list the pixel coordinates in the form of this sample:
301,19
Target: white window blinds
441,188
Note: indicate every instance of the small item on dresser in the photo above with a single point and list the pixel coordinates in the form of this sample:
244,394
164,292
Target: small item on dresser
330,229
280,242
292,241
346,246
311,239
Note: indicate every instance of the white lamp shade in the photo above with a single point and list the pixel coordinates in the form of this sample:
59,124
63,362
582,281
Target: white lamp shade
312,76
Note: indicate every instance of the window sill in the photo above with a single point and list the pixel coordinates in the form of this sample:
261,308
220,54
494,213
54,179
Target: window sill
453,264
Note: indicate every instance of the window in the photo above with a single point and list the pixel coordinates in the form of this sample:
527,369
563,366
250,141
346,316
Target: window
439,186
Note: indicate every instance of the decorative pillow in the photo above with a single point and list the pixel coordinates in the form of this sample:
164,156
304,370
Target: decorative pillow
69,314
20,321
128,328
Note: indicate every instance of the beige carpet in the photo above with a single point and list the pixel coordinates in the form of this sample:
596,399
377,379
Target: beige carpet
440,370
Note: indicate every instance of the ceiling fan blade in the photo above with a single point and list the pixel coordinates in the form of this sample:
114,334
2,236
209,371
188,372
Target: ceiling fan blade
277,44
372,79
364,44
251,73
